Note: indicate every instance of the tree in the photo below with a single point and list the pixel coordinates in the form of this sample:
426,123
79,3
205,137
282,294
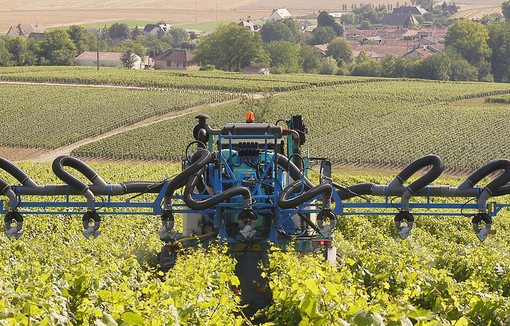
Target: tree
5,55
470,40
119,31
78,35
388,65
128,59
362,57
499,42
284,56
135,48
328,66
179,35
229,47
135,32
341,51
58,49
18,48
310,58
437,66
365,24
323,35
325,19
506,9
367,68
276,31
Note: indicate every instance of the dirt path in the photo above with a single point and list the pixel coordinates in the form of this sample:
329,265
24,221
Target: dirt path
49,156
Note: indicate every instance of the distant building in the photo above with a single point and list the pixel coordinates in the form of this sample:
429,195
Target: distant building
153,29
279,14
417,10
250,25
106,59
418,52
26,30
305,24
405,20
175,60
256,70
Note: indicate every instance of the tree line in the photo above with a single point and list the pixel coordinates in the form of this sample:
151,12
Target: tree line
474,52
61,46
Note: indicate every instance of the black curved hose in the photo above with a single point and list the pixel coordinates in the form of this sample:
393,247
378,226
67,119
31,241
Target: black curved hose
142,186
4,185
497,186
428,178
212,201
80,166
199,159
284,202
356,190
15,171
293,170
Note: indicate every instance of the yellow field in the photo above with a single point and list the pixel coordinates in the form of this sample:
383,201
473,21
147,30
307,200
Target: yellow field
51,13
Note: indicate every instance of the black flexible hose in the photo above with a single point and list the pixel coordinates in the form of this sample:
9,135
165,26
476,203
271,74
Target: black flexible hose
428,178
216,199
80,166
497,186
284,202
15,171
356,190
4,185
199,160
293,170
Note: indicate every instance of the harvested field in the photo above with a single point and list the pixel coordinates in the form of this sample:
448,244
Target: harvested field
53,13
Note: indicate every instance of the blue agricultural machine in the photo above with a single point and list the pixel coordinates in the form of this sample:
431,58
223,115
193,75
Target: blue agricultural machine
246,186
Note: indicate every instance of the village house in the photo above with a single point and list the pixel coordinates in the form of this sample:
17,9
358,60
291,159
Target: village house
27,30
153,29
279,14
413,10
250,25
175,60
106,59
405,20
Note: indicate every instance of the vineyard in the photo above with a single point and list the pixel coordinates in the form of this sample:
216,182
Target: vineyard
381,122
53,116
440,275
216,80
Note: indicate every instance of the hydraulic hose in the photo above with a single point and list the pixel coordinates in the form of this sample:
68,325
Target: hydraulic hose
16,172
293,170
359,189
80,166
408,171
199,160
5,189
428,178
497,186
285,203
500,182
214,200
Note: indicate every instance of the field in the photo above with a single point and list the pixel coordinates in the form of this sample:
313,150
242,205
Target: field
53,116
374,123
440,275
216,80
53,13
